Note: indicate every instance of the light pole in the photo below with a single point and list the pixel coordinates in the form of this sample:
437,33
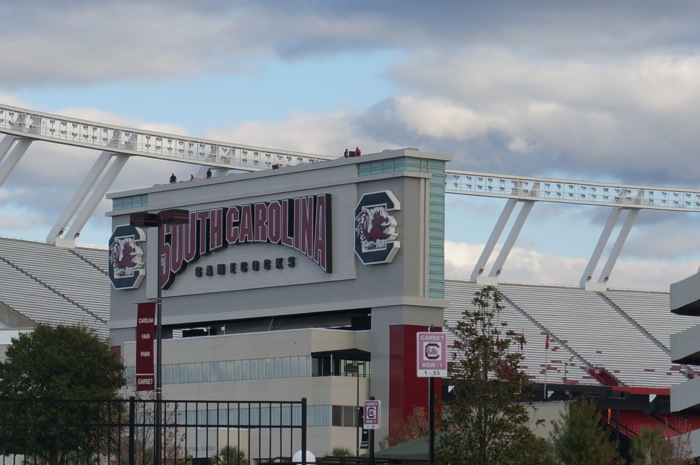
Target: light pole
157,220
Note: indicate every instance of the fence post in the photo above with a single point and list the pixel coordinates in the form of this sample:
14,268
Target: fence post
303,431
132,430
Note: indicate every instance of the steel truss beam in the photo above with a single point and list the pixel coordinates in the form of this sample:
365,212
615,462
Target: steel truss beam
48,127
117,143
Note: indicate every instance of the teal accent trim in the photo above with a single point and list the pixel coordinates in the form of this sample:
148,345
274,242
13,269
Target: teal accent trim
436,214
436,230
127,203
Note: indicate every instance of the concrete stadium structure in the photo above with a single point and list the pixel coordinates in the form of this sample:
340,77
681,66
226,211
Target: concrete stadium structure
685,301
281,285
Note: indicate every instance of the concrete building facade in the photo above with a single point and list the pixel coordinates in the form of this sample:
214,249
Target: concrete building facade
300,273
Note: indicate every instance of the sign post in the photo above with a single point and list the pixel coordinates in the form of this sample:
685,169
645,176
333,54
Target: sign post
431,357
372,420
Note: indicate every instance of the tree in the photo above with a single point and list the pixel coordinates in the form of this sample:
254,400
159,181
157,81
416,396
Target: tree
230,455
487,423
65,362
416,425
650,447
54,384
174,437
682,449
580,439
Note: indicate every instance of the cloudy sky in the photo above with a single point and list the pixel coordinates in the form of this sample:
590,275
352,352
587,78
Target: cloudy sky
600,91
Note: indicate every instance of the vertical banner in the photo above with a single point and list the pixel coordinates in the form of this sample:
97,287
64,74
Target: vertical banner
145,333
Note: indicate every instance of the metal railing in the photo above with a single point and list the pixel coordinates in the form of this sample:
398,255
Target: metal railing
121,432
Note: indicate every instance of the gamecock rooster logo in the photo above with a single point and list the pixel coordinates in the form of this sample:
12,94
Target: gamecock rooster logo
126,257
375,228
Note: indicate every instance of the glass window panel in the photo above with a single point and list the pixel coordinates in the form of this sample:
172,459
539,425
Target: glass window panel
302,367
285,367
348,415
265,416
277,368
231,370
294,367
237,370
286,416
296,415
222,371
213,371
245,374
268,368
318,415
255,416
167,374
205,372
233,416
261,369
198,373
326,415
183,373
308,365
190,372
310,416
337,416
254,370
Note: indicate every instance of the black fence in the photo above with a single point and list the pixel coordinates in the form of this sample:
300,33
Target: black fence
58,432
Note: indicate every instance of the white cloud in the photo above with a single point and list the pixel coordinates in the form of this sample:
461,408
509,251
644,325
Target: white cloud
584,90
530,266
439,118
327,134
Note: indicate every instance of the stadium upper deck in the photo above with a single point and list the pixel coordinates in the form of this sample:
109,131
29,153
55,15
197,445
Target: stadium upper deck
626,332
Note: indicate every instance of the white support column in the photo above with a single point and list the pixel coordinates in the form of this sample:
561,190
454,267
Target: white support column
632,214
510,241
5,145
493,238
97,195
11,160
79,196
598,251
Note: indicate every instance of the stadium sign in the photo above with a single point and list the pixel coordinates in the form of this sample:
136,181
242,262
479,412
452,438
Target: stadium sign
126,257
375,228
431,355
300,223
